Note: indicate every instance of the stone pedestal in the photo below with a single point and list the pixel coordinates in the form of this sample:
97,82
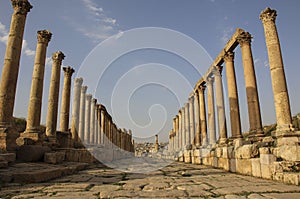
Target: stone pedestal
10,71
51,122
33,130
281,96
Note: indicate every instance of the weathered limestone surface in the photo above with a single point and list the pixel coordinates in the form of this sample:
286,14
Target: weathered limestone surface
51,122
76,108
82,112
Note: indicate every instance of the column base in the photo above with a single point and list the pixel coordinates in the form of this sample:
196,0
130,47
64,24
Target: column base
285,128
31,137
222,141
8,137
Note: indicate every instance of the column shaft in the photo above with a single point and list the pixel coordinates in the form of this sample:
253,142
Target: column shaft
211,111
235,120
203,123
197,120
82,113
187,126
192,120
65,102
92,121
51,122
87,118
76,108
280,91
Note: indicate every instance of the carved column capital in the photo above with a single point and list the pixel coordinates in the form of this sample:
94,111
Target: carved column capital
268,15
58,56
94,101
83,89
244,38
88,97
44,36
21,6
68,71
202,88
210,80
229,56
78,81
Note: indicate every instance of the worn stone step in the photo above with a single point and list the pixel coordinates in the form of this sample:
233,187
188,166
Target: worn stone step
38,172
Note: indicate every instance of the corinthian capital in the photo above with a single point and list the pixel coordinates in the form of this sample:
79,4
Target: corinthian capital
21,6
58,56
228,56
68,71
44,36
268,15
244,38
78,81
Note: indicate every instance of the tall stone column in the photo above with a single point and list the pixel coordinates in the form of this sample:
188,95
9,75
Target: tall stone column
179,133
104,139
183,130
36,93
10,73
220,105
197,120
192,119
235,120
156,143
76,109
65,102
177,125
203,123
92,121
280,91
82,113
87,118
10,69
211,110
187,126
99,141
96,125
51,122
244,40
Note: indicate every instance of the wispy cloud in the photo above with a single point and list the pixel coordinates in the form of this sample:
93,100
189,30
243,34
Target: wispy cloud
94,24
226,34
4,37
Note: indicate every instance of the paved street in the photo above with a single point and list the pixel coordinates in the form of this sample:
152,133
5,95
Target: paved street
178,180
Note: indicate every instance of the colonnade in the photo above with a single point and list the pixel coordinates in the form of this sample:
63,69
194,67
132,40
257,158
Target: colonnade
191,132
91,124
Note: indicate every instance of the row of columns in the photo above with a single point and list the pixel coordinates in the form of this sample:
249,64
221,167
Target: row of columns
90,124
193,124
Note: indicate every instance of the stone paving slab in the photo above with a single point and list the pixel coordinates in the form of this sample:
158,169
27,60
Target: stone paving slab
177,180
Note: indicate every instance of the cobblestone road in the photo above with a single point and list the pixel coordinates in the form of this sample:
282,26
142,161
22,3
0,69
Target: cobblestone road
178,180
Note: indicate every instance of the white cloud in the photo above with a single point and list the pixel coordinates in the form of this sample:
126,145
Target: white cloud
94,23
226,34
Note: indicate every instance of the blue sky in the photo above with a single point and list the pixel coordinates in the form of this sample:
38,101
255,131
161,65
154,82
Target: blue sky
80,26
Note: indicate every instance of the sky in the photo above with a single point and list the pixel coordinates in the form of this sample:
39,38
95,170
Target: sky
141,59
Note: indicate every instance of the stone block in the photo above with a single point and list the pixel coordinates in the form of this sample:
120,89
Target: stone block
187,156
197,160
278,176
230,152
207,161
264,150
9,157
232,165
3,164
256,169
280,141
266,171
291,178
219,152
238,142
224,163
32,153
246,151
288,152
215,161
225,153
267,159
54,157
244,166
205,152
197,152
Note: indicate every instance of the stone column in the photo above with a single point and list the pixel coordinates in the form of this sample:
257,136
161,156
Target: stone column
65,102
76,108
92,121
192,120
51,122
99,141
87,118
203,123
281,96
177,125
10,69
235,120
179,133
36,93
244,40
156,143
82,113
187,126
96,125
220,105
10,73
102,112
197,119
211,110
183,130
